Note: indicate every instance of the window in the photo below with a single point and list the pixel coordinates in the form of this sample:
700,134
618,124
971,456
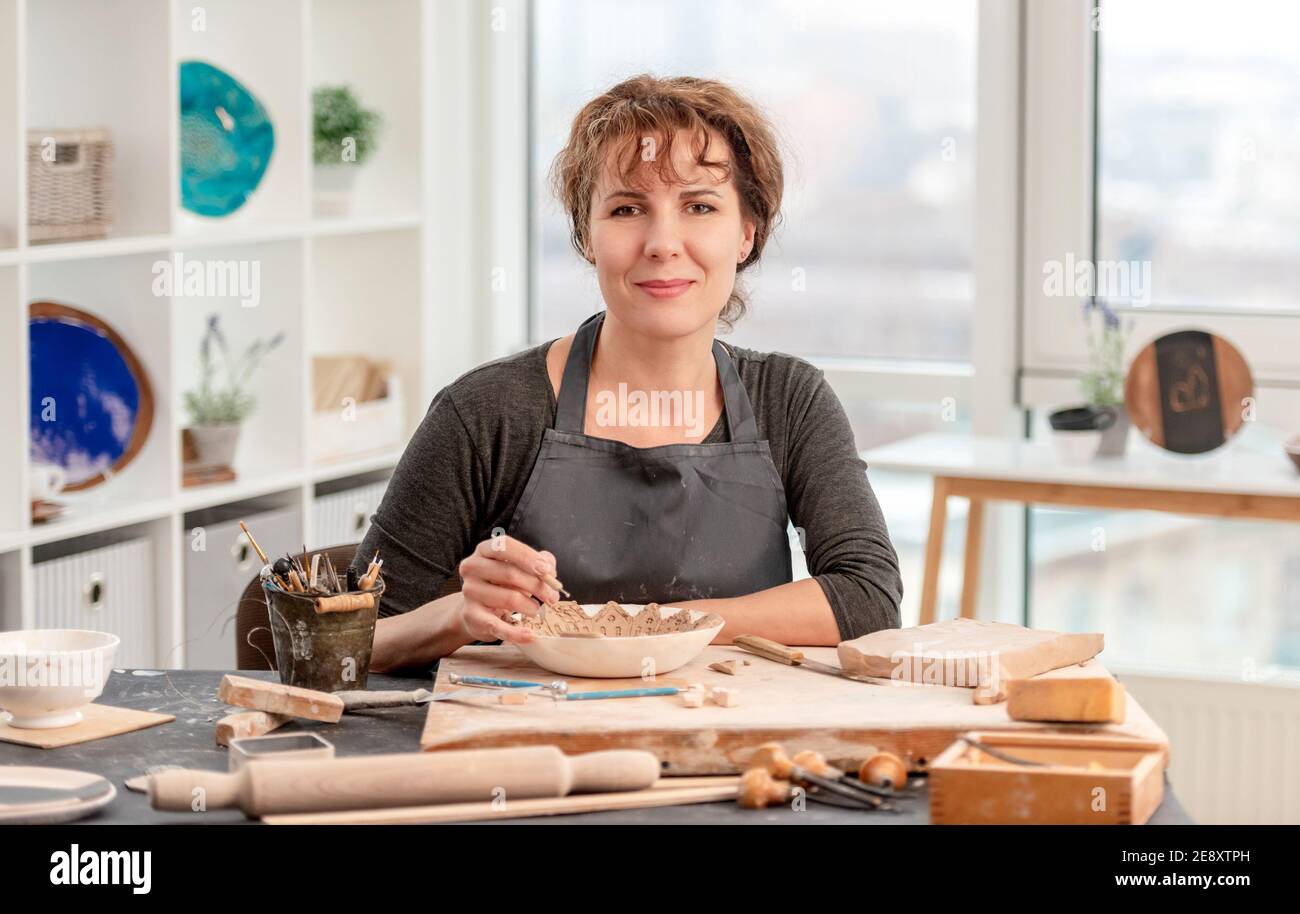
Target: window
876,101
1198,136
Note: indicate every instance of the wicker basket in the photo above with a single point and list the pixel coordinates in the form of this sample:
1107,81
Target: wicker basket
71,196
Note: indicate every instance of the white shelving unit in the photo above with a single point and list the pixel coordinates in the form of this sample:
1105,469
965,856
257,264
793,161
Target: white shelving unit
354,284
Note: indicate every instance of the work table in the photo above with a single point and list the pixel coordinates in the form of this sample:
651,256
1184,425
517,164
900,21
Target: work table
189,742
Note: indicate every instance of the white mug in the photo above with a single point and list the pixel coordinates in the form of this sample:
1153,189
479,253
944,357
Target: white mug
45,480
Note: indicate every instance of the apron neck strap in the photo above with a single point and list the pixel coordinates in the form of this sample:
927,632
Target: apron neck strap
571,408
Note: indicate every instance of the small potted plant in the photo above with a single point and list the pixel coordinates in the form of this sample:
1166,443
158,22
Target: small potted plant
218,406
1103,383
343,138
1098,428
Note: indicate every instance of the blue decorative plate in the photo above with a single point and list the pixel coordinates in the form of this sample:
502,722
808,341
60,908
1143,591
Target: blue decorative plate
226,140
91,404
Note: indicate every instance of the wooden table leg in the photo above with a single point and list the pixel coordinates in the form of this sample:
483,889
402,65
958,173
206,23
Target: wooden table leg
934,550
970,582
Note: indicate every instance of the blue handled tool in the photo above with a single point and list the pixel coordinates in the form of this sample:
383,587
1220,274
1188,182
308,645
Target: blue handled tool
619,693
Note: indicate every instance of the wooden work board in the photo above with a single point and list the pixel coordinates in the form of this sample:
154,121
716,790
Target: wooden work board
799,708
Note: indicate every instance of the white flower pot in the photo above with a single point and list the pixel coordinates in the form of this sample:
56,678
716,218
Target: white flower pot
332,187
215,445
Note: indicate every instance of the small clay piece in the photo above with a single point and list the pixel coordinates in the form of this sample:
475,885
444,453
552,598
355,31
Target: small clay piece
725,666
693,698
511,697
884,769
725,698
758,789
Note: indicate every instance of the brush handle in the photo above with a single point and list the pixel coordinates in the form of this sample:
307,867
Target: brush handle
409,779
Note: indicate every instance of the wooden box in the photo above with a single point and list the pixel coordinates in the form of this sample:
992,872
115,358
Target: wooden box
1087,780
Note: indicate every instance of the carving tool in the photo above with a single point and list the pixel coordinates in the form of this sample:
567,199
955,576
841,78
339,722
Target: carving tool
813,761
566,695
252,542
772,650
458,679
772,758
559,690
405,779
261,555
555,584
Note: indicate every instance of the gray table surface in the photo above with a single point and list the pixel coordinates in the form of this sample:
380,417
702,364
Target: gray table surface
189,742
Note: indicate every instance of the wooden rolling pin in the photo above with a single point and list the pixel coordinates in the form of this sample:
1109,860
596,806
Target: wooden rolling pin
405,779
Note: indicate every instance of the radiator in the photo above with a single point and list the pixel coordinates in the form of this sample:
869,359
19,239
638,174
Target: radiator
1234,747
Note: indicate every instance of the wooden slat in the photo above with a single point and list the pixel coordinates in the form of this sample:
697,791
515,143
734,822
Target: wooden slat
661,795
934,549
1212,504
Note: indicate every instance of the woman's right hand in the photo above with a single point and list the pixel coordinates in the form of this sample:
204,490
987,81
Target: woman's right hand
499,579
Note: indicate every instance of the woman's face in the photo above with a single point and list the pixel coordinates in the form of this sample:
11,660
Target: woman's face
666,254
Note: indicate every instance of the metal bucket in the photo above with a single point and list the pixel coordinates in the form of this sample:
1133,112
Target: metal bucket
328,652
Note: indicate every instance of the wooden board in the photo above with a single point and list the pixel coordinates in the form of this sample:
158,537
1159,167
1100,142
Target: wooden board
965,652
804,710
98,721
1081,692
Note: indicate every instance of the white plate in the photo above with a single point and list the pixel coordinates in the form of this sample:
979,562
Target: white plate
40,812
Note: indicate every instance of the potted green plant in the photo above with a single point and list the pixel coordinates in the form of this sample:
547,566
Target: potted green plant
218,406
343,138
1103,382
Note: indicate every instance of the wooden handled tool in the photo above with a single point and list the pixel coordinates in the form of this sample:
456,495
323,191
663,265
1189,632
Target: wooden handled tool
365,699
769,649
773,650
345,602
378,781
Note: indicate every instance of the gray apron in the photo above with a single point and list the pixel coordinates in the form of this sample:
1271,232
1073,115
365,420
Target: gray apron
661,524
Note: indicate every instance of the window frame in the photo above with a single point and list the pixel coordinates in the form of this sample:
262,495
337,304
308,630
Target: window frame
1060,200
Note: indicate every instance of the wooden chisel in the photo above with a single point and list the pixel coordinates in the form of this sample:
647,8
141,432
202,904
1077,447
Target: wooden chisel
773,650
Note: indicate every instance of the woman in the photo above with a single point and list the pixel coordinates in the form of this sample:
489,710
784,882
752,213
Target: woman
543,464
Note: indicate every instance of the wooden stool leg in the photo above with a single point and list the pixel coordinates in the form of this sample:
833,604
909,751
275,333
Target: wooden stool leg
970,583
934,550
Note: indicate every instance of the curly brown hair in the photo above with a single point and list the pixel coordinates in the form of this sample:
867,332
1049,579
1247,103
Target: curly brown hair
647,106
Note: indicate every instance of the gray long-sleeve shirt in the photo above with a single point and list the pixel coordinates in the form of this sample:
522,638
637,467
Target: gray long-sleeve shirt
465,469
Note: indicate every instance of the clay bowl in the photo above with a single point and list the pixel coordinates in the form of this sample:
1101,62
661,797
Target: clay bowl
1293,450
611,645
53,673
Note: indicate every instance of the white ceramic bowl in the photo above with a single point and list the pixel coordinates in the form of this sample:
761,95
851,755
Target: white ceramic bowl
627,657
48,675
